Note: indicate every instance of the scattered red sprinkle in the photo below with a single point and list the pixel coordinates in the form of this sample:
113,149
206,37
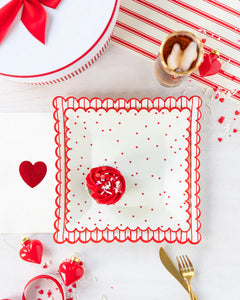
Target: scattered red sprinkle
221,100
234,130
70,290
45,266
237,112
49,293
221,119
204,41
74,285
219,139
41,292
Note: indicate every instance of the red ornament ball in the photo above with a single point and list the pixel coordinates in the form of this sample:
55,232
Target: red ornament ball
71,271
210,64
31,250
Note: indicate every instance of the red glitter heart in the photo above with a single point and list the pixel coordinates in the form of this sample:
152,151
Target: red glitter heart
210,65
32,174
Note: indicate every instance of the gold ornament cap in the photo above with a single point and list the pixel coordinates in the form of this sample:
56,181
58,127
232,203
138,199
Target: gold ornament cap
74,258
24,239
215,51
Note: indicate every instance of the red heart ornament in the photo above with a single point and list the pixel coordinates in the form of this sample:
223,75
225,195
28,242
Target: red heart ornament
32,174
210,65
31,251
71,271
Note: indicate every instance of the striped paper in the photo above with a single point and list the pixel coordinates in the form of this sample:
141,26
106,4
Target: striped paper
142,25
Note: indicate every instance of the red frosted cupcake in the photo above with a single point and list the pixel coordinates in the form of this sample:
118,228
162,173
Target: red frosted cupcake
105,184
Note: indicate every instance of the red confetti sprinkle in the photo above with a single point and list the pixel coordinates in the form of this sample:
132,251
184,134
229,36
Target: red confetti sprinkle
234,130
49,293
204,41
221,100
45,266
221,119
237,112
219,139
74,285
70,290
41,292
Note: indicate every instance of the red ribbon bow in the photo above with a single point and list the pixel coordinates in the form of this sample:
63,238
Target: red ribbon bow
33,16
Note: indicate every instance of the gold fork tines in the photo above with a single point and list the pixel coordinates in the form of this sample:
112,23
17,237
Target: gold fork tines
187,271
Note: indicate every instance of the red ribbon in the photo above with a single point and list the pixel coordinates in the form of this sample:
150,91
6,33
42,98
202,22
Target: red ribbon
58,285
33,16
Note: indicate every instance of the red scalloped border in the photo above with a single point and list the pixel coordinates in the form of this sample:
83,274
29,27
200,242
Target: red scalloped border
108,235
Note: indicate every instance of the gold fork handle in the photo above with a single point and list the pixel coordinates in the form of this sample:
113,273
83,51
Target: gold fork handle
194,297
190,290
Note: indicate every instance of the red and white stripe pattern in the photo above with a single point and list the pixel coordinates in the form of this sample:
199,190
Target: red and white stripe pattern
143,24
77,71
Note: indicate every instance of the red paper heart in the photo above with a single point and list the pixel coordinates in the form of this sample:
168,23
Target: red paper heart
32,251
70,272
32,174
210,65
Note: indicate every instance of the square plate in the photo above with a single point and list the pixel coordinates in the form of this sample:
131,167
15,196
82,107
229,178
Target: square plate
154,144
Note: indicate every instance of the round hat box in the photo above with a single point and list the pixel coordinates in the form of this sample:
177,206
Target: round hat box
77,33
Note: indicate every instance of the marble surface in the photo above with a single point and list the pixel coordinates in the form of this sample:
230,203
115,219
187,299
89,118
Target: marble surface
132,271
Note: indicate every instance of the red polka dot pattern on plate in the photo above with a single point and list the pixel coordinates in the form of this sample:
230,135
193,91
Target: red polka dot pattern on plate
148,148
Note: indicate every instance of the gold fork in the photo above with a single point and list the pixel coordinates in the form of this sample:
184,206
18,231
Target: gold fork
187,271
